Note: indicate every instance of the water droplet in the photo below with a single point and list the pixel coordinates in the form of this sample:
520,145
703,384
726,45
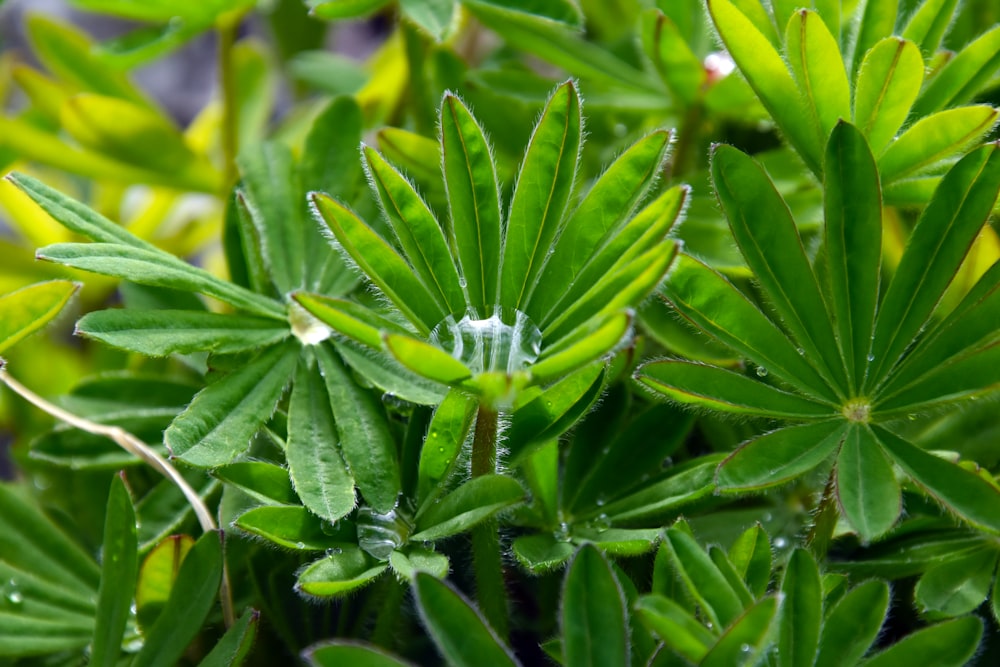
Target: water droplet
562,533
780,543
911,417
601,523
766,517
11,593
380,534
667,462
133,609
300,545
871,358
745,648
601,500
709,625
334,551
305,327
507,341
462,282
620,129
801,352
761,372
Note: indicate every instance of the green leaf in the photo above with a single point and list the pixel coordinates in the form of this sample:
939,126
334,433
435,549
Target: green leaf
118,576
589,343
335,10
380,263
265,482
348,318
157,576
291,527
967,327
667,46
159,333
346,652
867,491
769,77
963,77
554,411
419,234
710,302
929,23
192,597
473,201
156,268
945,644
468,505
801,611
320,476
390,376
426,360
742,642
434,17
969,375
443,444
544,184
330,154
417,156
960,490
769,241
593,616
675,626
751,556
606,208
458,628
888,83
933,254
853,239
406,565
819,70
957,586
273,192
234,646
339,573
933,138
70,55
366,442
705,584
27,310
852,625
541,552
683,486
878,21
222,418
780,456
719,389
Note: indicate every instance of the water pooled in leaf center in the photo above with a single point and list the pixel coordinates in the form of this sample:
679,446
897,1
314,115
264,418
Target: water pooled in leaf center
507,341
380,534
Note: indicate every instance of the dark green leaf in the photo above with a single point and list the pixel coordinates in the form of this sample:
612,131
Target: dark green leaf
356,654
159,333
801,611
675,626
867,491
853,238
265,482
852,625
119,569
406,565
339,573
769,241
780,456
458,629
933,254
751,556
544,184
704,582
742,642
365,439
473,201
719,389
291,527
960,490
192,597
593,616
443,444
542,552
957,586
964,76
468,505
888,83
945,644
666,495
878,19
235,645
317,470
223,417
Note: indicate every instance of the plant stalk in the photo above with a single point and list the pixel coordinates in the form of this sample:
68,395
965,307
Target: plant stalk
226,32
490,589
133,445
825,522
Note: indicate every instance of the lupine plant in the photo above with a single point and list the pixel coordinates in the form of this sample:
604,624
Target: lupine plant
584,333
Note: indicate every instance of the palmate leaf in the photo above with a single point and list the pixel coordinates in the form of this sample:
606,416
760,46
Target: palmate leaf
594,616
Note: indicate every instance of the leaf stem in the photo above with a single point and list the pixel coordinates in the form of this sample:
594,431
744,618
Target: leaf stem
490,588
825,520
141,450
